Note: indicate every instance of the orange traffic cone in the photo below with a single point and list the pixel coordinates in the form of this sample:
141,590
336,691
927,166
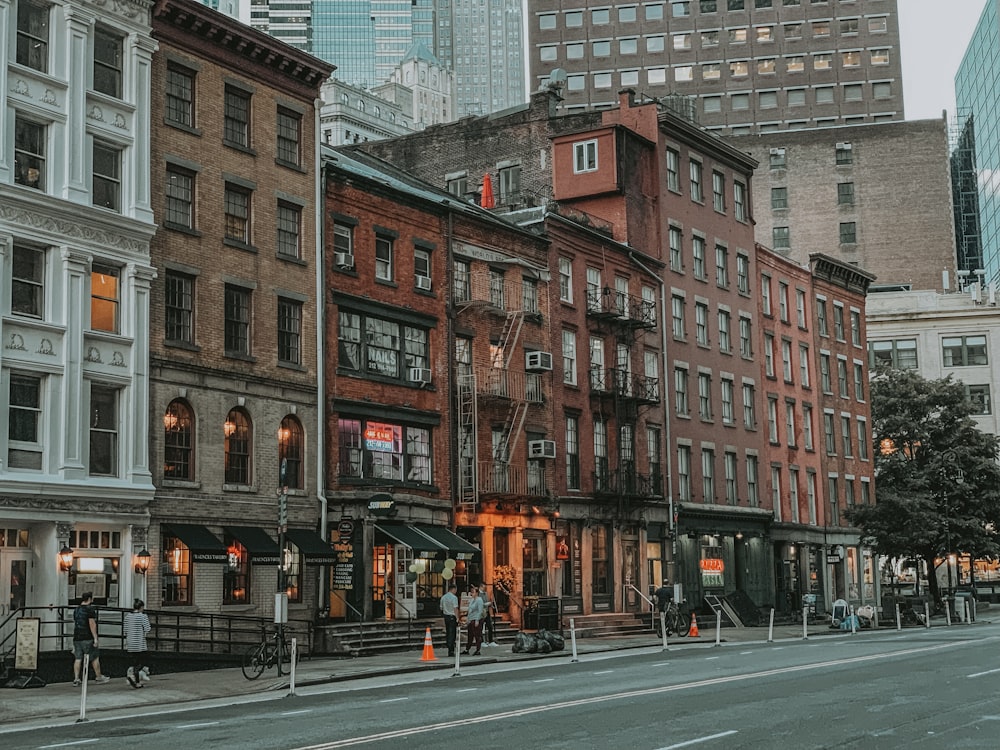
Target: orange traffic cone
428,648
693,632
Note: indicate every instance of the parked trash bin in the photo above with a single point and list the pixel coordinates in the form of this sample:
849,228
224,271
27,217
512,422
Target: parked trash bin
549,616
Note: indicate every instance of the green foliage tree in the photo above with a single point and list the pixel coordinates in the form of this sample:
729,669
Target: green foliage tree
937,478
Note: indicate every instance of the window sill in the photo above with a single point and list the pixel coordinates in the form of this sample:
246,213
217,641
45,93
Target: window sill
240,356
290,165
292,366
346,271
245,488
386,282
182,126
239,147
239,244
293,259
175,344
181,484
181,228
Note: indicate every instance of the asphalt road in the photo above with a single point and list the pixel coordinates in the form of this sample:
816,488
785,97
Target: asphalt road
937,688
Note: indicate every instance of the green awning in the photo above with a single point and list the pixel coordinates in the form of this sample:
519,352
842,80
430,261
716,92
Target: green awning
457,547
313,547
410,536
202,543
262,548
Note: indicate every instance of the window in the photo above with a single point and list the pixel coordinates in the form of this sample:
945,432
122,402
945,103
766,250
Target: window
793,493
547,21
859,381
844,154
795,64
677,317
601,49
740,201
684,472
882,90
824,372
600,16
740,102
627,14
845,194
103,430
601,476
290,452
710,39
725,338
673,170
765,294
107,62
804,365
289,331
705,396
783,301
237,214
180,198
772,418
104,298
845,436
863,439
849,26
178,441
964,351
739,69
238,447
701,323
422,268
719,191
236,575
680,9
574,19
180,96
851,59
743,273
28,282
289,227
176,572
529,296
585,156
708,475
779,197
698,257
178,307
510,184
737,36
569,357
877,25
236,117
828,434
654,12
878,57
383,258
572,453
728,408
790,423
381,347
565,280
676,257
33,35
681,405
777,158
24,450
29,153
807,427
780,238
595,290
656,75
786,360
237,321
343,245
712,72
800,308
821,317
695,173
749,411
106,186
289,137
838,321
753,494
768,99
730,472
653,44
746,338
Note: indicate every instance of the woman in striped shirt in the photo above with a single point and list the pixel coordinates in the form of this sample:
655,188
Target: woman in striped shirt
136,626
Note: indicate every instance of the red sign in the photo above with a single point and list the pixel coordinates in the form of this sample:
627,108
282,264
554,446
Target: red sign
712,565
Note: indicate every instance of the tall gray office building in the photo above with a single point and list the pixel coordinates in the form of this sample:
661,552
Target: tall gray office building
748,66
976,159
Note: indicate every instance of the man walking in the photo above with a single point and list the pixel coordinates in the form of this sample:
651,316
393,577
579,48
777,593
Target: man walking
474,616
136,627
85,639
489,633
449,608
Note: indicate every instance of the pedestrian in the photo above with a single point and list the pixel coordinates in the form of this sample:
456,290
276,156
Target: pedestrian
474,618
664,595
85,641
136,627
489,632
449,609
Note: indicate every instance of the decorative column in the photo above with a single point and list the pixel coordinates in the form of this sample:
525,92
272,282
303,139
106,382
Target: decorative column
75,316
141,49
139,278
6,22
73,183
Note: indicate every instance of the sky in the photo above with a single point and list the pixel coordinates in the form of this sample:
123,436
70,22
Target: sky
933,37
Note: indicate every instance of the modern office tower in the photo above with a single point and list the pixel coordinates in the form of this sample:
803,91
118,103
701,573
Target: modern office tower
747,65
239,9
977,98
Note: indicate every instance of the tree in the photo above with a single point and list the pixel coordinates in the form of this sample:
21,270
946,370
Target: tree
937,477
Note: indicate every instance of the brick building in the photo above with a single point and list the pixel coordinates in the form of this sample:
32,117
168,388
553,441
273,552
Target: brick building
233,363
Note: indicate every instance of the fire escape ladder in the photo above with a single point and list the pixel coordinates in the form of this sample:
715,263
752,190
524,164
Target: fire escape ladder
508,337
516,413
468,491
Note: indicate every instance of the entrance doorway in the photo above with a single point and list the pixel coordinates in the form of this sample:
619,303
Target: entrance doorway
630,575
15,566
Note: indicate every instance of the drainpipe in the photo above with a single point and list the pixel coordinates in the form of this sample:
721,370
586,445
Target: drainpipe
322,596
666,407
453,441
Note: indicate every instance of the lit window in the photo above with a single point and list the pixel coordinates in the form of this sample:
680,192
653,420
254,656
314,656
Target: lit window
29,153
291,452
104,298
238,447
822,62
795,64
178,441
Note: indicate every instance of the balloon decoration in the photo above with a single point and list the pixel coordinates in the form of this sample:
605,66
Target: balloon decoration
411,577
447,573
450,564
413,568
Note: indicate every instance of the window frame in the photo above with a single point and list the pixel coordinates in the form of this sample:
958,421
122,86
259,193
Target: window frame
103,431
289,332
107,74
237,113
32,49
238,321
179,96
288,132
178,304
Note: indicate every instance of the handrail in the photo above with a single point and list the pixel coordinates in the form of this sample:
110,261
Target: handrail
409,614
361,617
513,597
650,602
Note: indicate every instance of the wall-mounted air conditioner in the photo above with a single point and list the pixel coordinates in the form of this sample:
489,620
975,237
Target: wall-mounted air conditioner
541,449
423,282
534,361
343,260
420,375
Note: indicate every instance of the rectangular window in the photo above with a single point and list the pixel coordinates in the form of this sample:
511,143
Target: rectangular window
180,198
529,296
842,387
834,500
859,381
753,493
856,327
510,184
721,266
569,357
779,197
422,268
776,492
746,338
29,153
743,273
708,475
236,117
107,62
289,137
385,451
379,346
289,230
572,453
824,373
705,396
781,238
964,351
673,170
24,450
829,437
697,194
684,472
383,258
585,157
732,492
769,355
698,257
848,233
237,320
28,282
103,430
33,35
979,397
821,317
601,476
725,338
749,411
804,365
237,214
740,201
565,280
793,493
786,360
765,293
701,323
863,439
719,191
106,185
772,419
677,317
807,427
681,405
845,193
800,308
105,296
838,321
777,158
900,354
728,407
595,290
845,436
180,96
783,301
179,307
289,331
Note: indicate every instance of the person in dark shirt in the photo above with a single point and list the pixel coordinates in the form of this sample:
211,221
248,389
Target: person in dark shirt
664,595
85,639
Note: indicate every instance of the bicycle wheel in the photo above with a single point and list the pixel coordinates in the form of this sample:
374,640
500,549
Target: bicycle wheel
682,624
253,662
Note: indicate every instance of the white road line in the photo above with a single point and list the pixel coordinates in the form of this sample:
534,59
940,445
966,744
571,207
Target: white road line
466,690
293,713
709,658
547,679
698,741
196,726
980,674
606,671
67,744
394,700
744,653
661,664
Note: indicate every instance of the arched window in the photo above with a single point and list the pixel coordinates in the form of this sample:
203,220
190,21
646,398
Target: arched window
178,441
290,450
239,447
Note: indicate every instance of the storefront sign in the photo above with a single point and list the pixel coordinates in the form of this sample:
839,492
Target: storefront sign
712,569
380,437
343,568
562,549
345,528
26,644
382,504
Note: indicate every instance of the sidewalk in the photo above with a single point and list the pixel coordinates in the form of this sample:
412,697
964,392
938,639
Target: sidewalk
62,701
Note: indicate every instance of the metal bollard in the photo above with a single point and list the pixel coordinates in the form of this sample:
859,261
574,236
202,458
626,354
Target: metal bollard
805,623
968,619
947,612
927,614
854,621
899,619
84,672
458,651
572,637
718,627
770,628
663,628
291,669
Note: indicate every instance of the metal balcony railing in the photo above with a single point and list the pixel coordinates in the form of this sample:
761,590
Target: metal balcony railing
498,382
498,478
628,483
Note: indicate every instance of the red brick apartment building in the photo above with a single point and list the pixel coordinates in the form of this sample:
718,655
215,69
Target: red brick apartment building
233,367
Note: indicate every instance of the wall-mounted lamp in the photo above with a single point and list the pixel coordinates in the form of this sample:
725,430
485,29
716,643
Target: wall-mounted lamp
229,427
142,561
739,534
283,434
66,558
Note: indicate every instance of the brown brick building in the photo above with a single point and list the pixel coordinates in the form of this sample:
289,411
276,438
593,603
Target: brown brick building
233,367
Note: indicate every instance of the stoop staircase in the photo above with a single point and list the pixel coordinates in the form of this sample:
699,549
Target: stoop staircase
383,637
609,624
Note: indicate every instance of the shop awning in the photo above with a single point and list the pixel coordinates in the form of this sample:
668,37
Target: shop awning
313,547
202,543
412,537
457,547
262,548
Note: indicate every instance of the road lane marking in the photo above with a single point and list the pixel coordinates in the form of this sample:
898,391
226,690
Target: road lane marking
547,679
980,674
394,700
196,726
699,740
466,690
661,664
67,744
598,699
744,653
293,713
709,658
606,671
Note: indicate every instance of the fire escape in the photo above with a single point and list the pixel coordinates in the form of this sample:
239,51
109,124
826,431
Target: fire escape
622,318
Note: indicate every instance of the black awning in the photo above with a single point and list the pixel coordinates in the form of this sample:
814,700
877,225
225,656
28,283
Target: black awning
202,543
312,546
410,536
457,547
262,548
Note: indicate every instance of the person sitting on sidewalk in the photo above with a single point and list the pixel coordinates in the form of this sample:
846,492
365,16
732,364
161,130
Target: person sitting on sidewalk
85,639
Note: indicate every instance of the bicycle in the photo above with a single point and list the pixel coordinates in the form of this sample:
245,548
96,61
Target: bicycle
265,655
677,622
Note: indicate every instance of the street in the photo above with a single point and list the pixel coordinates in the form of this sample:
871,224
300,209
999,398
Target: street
919,688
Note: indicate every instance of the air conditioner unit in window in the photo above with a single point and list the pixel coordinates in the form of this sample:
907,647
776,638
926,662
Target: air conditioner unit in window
844,146
343,260
420,375
423,282
537,361
541,449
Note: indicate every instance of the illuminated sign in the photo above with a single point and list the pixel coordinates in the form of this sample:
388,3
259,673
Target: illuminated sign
381,438
712,569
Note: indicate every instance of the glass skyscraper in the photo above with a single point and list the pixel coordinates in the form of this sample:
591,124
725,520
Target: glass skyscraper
977,98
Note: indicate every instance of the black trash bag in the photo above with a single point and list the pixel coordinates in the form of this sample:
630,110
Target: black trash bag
524,643
542,645
555,641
